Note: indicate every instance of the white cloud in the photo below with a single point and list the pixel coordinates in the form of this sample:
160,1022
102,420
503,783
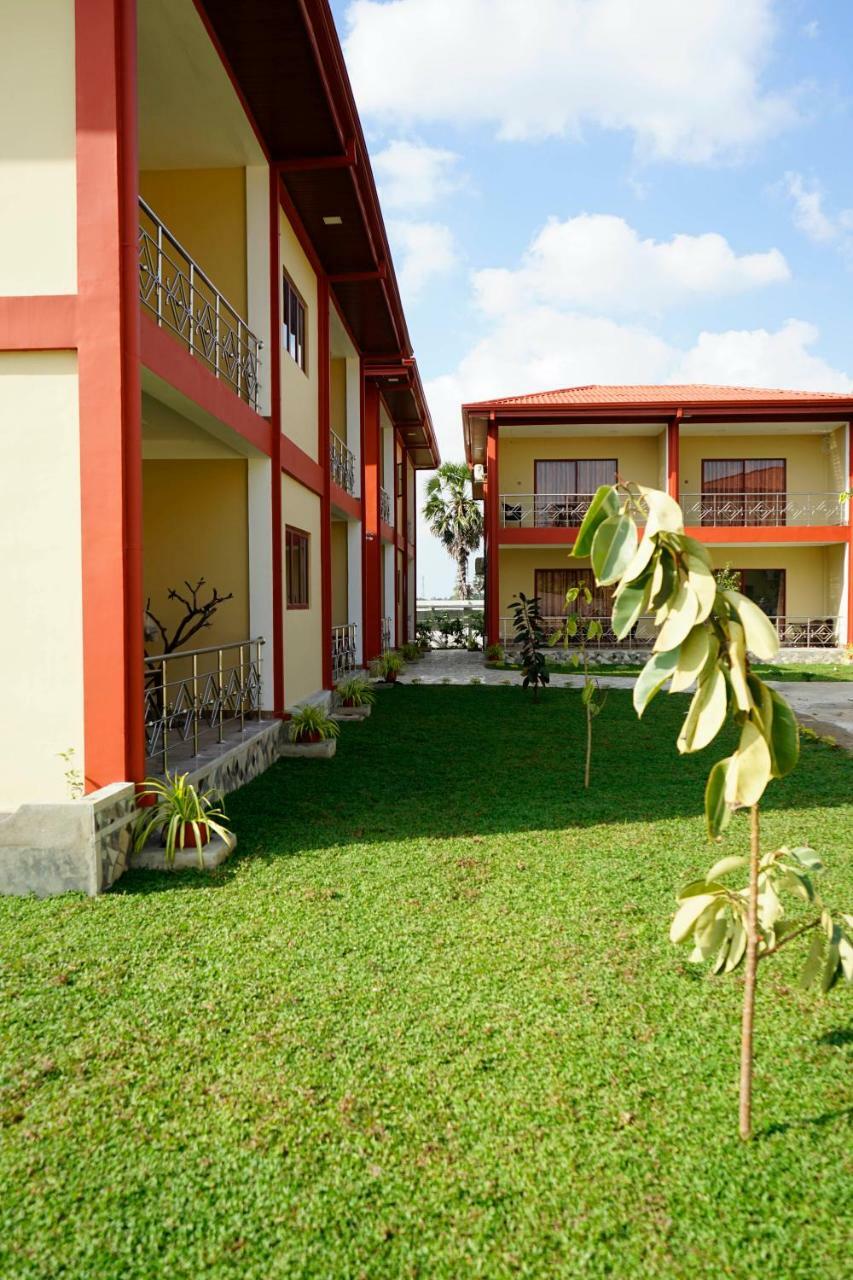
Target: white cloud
412,175
423,250
811,30
811,218
685,79
598,261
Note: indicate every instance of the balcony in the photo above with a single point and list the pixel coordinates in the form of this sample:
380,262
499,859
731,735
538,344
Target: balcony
794,633
341,464
757,510
543,510
180,297
343,651
387,639
196,699
384,506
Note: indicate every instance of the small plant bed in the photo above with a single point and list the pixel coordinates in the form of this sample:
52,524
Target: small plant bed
354,699
311,733
180,827
387,667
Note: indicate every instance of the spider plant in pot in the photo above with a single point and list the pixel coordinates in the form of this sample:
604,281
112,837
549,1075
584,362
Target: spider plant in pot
388,666
312,724
355,692
183,816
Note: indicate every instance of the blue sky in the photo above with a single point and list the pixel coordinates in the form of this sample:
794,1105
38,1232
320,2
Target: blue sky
611,191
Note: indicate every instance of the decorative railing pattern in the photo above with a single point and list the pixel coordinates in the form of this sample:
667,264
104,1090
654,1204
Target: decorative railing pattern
756,509
344,657
181,297
384,506
191,695
794,633
386,635
544,510
342,463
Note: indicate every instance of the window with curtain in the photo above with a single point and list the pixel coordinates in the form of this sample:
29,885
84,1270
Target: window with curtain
765,587
564,487
296,547
551,586
293,323
743,491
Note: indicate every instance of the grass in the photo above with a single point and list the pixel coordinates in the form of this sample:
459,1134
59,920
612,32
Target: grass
427,1023
794,671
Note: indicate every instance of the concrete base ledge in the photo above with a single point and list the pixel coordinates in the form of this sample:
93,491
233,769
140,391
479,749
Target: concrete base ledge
352,713
152,857
310,750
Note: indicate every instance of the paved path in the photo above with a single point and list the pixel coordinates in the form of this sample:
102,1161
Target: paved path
823,705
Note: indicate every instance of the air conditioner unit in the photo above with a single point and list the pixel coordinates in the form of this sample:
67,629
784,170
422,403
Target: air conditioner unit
479,566
479,473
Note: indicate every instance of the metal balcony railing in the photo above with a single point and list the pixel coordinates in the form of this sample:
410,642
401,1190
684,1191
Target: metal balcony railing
384,506
342,463
544,510
191,695
752,510
175,290
343,650
386,635
794,632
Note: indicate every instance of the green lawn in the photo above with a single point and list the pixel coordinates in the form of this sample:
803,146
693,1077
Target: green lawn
796,671
427,1023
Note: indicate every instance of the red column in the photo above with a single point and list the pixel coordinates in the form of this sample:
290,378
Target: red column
850,534
372,547
491,522
673,440
109,391
277,656
326,497
404,472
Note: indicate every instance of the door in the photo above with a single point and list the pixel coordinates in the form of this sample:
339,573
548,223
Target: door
743,491
551,586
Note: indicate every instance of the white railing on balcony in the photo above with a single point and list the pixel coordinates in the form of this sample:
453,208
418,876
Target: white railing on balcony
342,463
193,694
794,633
544,510
386,635
753,510
175,290
343,650
384,506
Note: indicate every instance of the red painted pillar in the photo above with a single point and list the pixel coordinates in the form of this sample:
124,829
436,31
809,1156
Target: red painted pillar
673,440
404,481
850,534
110,395
323,441
372,548
277,656
492,525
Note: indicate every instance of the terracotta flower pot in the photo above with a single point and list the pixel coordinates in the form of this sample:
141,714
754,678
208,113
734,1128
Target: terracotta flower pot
189,837
391,677
309,737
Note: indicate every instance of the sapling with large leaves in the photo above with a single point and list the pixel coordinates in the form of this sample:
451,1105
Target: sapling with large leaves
530,634
581,631
705,632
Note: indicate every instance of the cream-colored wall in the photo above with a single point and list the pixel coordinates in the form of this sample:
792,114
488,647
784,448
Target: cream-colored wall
299,404
810,462
386,431
195,525
41,641
338,397
837,467
205,209
38,174
303,628
636,457
340,574
518,567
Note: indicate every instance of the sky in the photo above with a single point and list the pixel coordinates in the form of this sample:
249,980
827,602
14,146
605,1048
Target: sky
585,191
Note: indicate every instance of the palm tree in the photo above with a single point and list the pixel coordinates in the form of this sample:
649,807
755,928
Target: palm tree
455,518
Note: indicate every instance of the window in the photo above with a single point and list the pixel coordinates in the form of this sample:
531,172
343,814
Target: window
293,323
743,491
765,587
296,567
551,585
564,487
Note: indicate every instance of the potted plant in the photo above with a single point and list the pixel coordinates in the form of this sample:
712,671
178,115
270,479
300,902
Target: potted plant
388,666
311,732
182,816
495,655
356,698
411,652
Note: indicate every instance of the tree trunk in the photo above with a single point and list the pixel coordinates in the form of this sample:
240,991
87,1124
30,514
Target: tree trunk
588,748
751,975
462,588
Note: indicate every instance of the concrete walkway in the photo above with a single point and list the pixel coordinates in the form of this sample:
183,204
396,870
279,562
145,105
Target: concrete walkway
826,706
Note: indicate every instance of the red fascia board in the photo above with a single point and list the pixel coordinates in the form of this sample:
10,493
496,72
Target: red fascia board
770,534
163,355
344,501
229,71
386,532
536,537
296,463
715,411
45,322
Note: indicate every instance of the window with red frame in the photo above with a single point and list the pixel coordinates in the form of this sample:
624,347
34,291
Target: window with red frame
296,567
293,323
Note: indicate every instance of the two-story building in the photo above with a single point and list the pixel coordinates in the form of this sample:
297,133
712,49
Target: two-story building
758,474
210,412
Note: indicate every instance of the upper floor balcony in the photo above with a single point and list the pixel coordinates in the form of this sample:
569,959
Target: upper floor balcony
341,464
179,296
708,510
384,506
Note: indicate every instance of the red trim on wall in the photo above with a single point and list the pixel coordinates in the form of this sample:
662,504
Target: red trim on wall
372,603
109,391
46,322
387,532
769,534
673,452
277,521
345,502
323,442
164,355
300,466
297,227
491,536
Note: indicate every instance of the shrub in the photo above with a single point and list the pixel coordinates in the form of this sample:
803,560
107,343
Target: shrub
312,724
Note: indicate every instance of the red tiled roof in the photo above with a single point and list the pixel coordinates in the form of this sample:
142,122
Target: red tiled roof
684,394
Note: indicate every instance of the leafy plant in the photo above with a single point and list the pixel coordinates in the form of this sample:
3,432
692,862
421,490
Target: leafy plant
355,692
179,807
728,579
476,680
410,652
423,636
455,518
388,665
581,630
704,633
530,634
311,723
495,653
72,775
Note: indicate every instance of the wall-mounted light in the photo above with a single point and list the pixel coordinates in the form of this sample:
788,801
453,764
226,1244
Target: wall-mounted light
333,219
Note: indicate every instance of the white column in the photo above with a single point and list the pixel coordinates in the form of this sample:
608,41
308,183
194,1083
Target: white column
389,484
353,368
258,271
390,607
261,568
354,605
